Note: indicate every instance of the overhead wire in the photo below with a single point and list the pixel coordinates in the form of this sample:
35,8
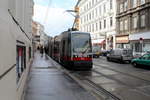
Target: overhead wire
47,11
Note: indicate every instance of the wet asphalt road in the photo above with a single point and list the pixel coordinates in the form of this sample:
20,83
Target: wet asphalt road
106,81
121,80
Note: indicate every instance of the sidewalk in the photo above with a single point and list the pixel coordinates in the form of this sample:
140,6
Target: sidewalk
46,82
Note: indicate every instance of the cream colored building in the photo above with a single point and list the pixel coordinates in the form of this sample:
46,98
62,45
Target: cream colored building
15,44
99,18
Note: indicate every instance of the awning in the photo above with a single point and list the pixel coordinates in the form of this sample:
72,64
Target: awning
137,36
98,41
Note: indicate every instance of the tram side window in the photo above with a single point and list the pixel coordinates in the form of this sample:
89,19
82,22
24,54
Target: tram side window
63,48
20,61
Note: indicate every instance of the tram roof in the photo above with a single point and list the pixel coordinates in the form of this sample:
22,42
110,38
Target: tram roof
73,32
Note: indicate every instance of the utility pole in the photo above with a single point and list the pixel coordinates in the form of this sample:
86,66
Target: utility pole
76,11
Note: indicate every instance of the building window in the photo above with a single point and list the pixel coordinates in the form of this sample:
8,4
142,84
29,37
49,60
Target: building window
87,17
100,25
121,7
92,2
92,27
121,25
125,5
111,21
87,6
134,3
93,14
84,19
104,8
96,26
100,10
135,19
142,20
126,24
104,23
90,16
142,2
96,12
111,5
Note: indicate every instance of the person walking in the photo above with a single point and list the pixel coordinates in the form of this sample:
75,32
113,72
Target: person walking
41,51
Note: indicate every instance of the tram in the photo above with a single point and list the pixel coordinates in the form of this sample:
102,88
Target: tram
73,49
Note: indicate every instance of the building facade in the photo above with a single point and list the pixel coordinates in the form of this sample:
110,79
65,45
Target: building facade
133,22
16,47
99,18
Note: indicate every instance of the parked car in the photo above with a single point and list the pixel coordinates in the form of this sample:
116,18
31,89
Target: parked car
121,55
96,50
142,61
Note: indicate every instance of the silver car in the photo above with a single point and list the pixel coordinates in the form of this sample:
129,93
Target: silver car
120,55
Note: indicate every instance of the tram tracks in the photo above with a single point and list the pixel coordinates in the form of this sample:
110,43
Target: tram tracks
99,92
121,72
99,89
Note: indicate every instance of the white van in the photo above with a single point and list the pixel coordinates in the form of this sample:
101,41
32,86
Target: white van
121,55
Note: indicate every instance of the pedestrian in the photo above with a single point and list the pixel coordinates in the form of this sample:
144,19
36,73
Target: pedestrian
41,51
38,48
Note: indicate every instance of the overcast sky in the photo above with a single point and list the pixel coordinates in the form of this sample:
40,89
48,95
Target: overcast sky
51,14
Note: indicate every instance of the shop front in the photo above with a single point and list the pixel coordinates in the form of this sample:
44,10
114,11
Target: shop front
122,41
99,42
140,43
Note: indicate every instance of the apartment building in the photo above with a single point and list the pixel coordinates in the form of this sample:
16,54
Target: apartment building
133,22
99,18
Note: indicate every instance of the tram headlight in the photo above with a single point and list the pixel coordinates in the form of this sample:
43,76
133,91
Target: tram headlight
75,56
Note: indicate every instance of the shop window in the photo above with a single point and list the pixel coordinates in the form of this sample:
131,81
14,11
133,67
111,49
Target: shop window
20,61
138,47
146,47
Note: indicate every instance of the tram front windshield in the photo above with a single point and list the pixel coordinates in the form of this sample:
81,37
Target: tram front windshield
81,43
